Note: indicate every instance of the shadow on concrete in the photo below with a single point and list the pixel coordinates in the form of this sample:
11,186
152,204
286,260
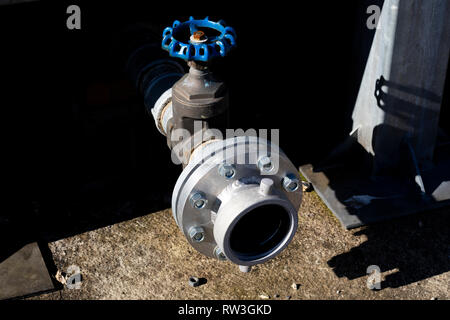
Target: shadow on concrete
372,189
412,249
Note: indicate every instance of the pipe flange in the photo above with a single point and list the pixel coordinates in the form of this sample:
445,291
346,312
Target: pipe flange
230,199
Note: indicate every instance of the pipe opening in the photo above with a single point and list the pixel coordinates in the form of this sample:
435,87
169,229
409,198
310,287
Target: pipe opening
259,232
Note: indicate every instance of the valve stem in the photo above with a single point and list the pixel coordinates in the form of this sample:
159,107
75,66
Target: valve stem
198,37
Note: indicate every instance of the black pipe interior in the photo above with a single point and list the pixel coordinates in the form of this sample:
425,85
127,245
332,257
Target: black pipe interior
259,232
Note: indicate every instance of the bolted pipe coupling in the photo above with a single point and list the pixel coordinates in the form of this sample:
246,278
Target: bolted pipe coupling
246,213
236,199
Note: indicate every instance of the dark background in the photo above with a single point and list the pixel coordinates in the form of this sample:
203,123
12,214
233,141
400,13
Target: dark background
79,151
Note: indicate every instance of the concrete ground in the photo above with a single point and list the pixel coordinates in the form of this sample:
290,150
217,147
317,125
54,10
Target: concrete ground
149,258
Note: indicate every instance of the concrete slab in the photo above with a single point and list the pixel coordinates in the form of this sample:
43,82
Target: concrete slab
148,258
24,273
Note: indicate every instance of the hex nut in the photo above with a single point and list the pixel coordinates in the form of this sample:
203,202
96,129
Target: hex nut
227,170
185,92
265,164
291,183
197,234
219,254
198,200
199,35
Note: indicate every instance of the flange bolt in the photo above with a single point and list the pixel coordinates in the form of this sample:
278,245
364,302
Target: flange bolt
227,170
265,164
198,200
291,183
197,234
219,254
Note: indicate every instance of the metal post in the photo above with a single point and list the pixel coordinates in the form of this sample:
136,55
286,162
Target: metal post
391,165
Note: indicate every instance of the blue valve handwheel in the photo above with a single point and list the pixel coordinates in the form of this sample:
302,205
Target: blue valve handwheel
202,50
